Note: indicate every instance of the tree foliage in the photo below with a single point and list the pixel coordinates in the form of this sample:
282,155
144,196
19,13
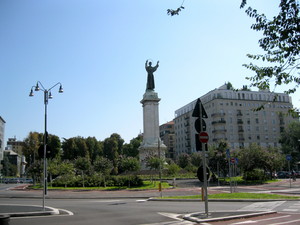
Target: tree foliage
131,149
290,141
103,165
184,160
256,157
281,43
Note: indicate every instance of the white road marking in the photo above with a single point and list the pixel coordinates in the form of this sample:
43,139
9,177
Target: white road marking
256,221
262,206
290,210
287,222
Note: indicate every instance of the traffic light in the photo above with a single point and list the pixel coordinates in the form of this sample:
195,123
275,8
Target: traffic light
200,125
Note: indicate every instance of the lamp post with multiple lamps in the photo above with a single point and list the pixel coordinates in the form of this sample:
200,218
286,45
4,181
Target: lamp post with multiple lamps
47,95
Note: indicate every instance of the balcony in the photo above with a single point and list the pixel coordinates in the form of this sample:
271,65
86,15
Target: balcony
219,139
219,131
217,114
186,124
218,122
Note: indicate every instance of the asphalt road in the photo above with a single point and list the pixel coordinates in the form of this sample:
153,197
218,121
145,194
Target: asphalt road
109,209
115,211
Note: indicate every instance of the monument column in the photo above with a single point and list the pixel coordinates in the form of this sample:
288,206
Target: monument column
152,146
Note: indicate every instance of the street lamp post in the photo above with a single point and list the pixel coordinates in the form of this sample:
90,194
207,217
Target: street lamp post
47,95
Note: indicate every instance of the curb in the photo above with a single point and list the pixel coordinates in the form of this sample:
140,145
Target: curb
220,200
47,212
193,217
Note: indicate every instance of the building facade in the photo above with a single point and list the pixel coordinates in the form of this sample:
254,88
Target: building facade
15,145
167,135
15,149
232,116
2,129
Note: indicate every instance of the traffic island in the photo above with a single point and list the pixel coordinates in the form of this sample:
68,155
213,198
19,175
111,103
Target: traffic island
222,216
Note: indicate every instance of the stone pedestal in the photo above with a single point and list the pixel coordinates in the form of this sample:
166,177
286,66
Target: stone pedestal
151,145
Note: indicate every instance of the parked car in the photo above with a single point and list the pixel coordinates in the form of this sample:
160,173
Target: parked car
282,174
12,181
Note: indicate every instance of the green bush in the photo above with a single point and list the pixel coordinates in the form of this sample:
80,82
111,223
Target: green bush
98,181
255,175
131,181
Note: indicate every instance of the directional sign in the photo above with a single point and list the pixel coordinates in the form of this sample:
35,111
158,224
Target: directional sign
288,157
200,173
197,125
227,153
196,112
203,137
41,151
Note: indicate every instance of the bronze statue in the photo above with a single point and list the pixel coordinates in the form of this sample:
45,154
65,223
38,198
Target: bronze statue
150,78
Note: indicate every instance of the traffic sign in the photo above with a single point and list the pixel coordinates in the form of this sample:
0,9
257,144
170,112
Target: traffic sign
196,112
200,173
203,137
228,153
288,157
197,125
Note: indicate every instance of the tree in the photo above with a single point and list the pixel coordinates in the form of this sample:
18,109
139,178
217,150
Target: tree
54,145
131,149
83,166
184,160
290,143
103,166
95,148
112,149
129,164
281,42
218,162
172,169
53,168
8,169
196,159
256,157
74,147
67,172
31,145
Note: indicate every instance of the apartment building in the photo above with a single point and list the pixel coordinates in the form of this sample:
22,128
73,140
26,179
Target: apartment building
232,117
167,135
15,145
2,129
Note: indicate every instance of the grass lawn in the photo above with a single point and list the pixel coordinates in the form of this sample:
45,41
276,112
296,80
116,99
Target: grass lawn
236,196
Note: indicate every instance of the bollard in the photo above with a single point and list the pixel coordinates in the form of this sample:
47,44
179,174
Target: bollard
4,219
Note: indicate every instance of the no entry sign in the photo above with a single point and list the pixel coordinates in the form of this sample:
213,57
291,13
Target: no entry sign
203,137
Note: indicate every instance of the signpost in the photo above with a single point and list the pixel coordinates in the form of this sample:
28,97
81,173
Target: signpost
289,158
200,127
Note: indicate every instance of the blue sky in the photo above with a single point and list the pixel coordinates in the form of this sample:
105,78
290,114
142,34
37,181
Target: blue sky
97,50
